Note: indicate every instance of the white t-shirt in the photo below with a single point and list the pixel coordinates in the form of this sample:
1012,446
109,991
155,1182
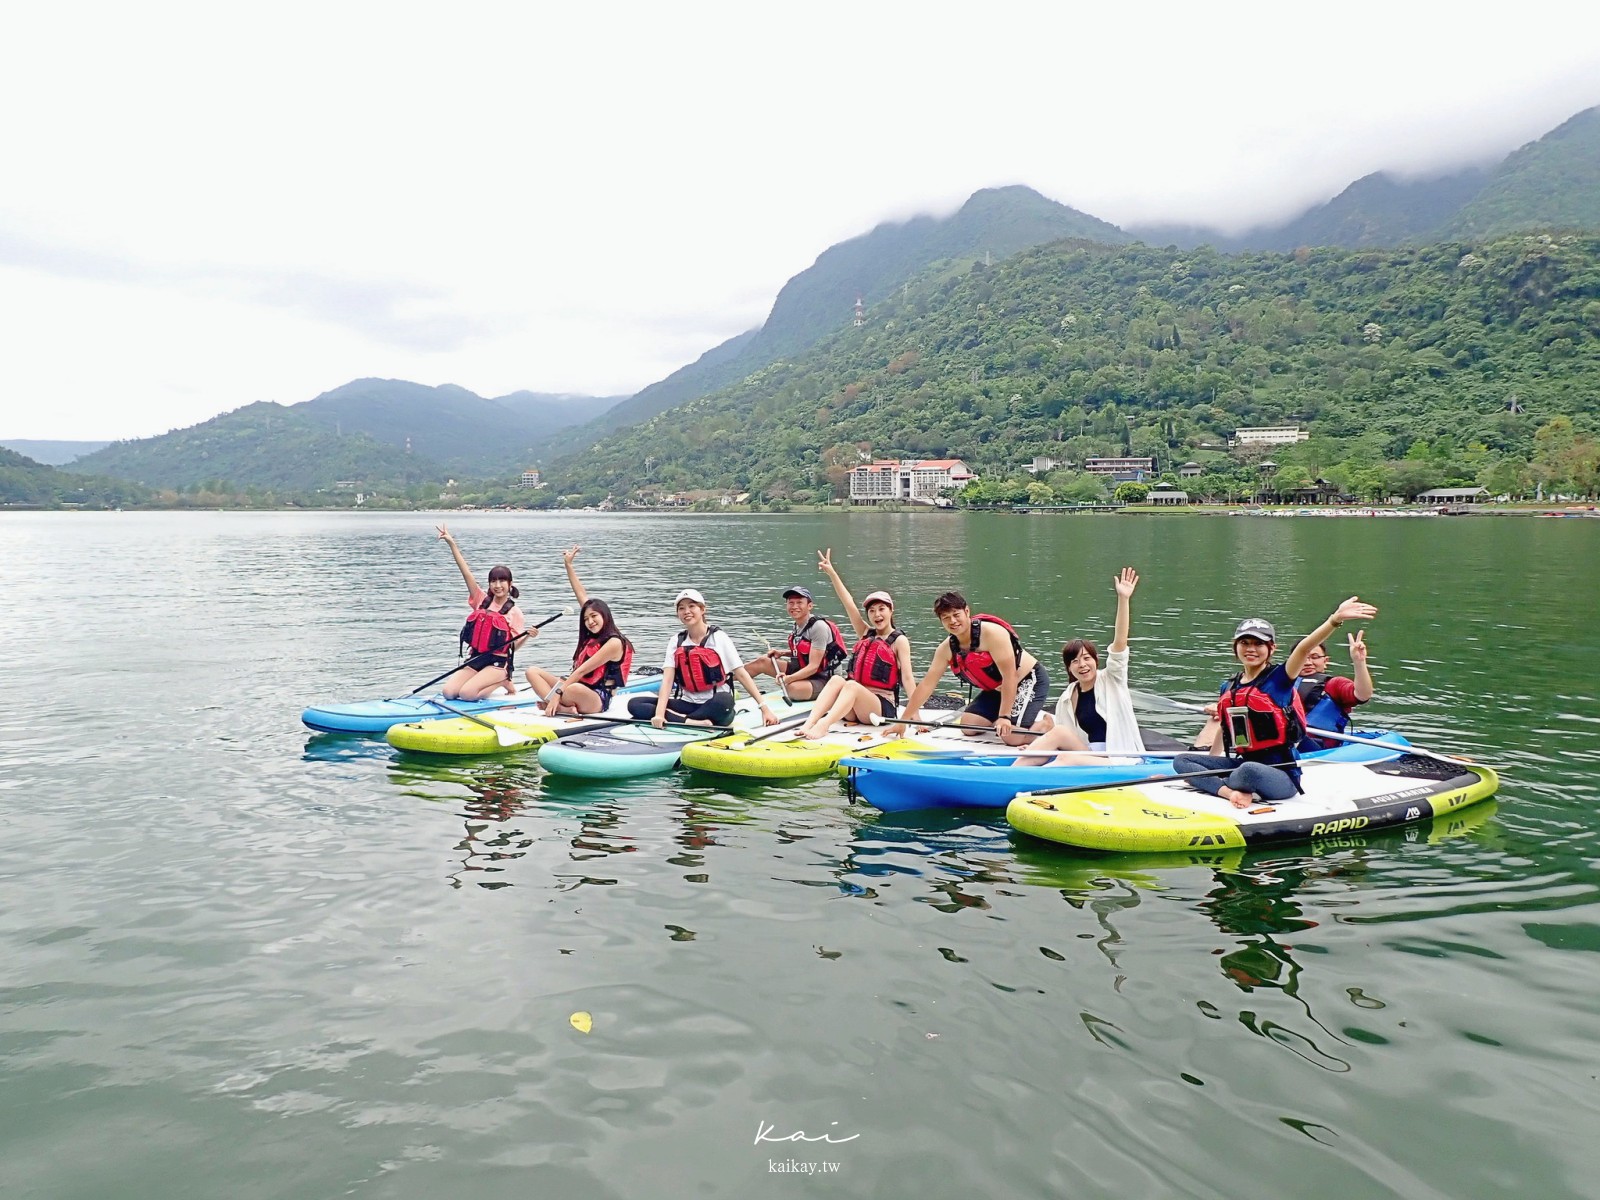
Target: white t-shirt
718,641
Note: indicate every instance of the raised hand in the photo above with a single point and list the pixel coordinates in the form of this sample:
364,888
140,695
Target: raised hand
1126,582
1358,646
1353,610
825,561
568,555
444,535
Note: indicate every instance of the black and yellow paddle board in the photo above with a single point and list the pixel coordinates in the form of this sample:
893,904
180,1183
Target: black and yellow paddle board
1339,799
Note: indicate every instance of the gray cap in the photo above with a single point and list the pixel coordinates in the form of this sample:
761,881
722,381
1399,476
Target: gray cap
797,590
1255,627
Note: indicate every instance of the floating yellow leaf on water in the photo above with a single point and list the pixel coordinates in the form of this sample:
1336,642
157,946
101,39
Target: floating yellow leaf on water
581,1021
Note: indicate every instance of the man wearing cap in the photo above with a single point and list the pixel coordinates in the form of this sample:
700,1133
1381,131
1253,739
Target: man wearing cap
1255,754
816,648
695,675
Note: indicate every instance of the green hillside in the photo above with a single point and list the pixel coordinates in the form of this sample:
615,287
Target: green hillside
1077,348
1553,183
369,432
458,430
262,445
26,483
997,222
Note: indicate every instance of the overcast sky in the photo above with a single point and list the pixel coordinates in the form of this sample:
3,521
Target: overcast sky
208,204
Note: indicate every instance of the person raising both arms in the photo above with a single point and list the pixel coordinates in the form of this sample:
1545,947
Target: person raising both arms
877,669
1328,699
494,627
1262,720
985,652
1095,712
600,664
695,673
816,648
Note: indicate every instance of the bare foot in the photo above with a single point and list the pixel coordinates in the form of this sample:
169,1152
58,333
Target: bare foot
1237,798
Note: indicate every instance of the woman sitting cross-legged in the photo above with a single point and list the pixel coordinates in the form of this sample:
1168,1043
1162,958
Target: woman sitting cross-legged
1262,719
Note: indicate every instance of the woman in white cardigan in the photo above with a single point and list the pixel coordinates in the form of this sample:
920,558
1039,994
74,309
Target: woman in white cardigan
1095,712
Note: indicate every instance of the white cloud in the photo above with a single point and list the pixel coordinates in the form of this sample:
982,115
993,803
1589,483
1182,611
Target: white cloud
209,205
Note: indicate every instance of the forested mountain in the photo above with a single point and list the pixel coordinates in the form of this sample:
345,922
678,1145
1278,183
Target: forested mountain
369,431
1455,349
51,453
33,484
262,445
1553,183
1377,210
996,222
545,413
459,430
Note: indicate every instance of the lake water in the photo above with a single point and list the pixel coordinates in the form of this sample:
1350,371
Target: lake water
244,961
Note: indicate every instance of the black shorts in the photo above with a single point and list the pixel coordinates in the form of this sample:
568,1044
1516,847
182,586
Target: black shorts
1032,690
718,710
888,705
479,661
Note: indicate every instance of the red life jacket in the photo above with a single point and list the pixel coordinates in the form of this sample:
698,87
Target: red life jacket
1274,732
800,646
873,663
698,668
614,674
977,666
487,631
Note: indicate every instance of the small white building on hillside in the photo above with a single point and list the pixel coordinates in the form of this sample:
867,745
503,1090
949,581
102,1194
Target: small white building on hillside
1282,436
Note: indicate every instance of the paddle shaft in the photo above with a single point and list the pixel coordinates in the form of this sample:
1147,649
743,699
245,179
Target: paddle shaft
648,721
1104,785
509,645
1151,700
505,735
976,729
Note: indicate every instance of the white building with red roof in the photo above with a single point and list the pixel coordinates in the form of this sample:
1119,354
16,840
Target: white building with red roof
909,481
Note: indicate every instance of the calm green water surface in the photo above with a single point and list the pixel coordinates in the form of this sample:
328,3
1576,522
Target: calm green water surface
244,961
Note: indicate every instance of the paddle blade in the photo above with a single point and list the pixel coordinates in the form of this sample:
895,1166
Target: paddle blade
510,737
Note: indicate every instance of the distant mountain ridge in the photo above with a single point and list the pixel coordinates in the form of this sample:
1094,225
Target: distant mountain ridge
369,431
994,222
392,430
1551,183
50,453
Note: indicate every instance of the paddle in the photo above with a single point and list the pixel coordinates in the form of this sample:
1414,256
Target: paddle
1153,701
977,730
503,734
554,616
1163,704
1366,741
1122,783
780,727
645,721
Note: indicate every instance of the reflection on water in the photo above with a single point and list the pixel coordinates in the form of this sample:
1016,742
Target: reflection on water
357,971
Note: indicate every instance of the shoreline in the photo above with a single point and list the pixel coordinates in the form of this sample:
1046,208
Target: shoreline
1369,512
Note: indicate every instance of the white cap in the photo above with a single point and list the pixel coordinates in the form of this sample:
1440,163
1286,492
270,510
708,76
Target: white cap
689,594
877,597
